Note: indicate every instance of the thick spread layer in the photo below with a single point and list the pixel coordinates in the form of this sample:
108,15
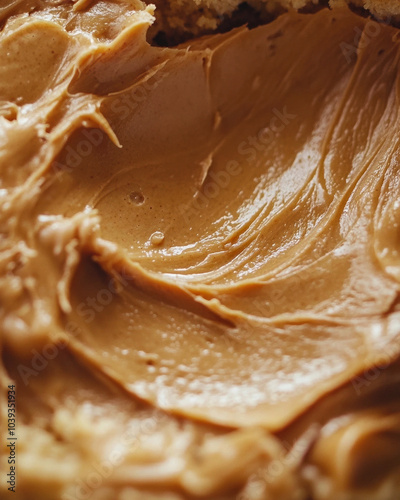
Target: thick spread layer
200,257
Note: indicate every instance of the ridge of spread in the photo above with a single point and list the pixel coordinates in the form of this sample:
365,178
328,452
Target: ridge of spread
199,253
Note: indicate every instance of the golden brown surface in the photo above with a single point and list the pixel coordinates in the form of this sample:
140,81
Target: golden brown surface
177,19
200,258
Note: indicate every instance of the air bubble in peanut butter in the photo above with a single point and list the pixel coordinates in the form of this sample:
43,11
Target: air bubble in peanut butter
136,197
157,238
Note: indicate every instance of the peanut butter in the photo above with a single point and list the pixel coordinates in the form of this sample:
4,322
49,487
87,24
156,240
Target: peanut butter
199,252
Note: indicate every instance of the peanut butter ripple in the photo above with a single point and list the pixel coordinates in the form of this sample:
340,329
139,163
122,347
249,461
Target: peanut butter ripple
199,253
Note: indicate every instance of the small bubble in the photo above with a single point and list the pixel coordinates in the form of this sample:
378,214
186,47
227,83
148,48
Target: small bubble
136,197
157,238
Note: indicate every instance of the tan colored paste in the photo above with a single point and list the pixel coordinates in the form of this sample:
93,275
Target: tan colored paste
199,253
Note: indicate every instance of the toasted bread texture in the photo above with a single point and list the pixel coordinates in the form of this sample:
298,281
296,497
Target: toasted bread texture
180,19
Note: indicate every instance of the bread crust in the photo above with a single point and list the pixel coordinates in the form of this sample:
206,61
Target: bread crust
181,19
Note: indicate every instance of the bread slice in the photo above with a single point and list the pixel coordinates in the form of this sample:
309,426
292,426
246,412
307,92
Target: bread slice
177,20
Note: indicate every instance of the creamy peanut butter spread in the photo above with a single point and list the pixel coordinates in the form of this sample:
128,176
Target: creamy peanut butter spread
200,265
